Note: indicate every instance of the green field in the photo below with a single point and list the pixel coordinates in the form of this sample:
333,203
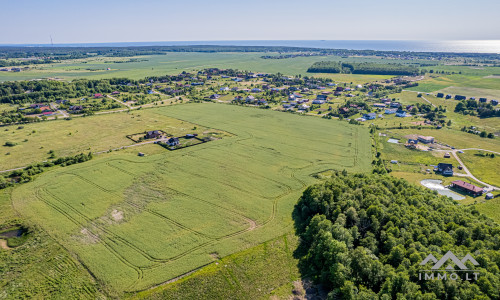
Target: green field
139,221
469,81
174,63
82,134
485,168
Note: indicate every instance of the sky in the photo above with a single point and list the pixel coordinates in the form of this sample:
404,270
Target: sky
92,21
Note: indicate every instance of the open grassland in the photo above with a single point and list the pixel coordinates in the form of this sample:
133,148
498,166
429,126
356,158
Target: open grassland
485,168
174,63
455,138
473,92
40,268
433,84
491,208
82,134
257,273
139,221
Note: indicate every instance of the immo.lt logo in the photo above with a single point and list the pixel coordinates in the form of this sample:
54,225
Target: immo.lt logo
449,267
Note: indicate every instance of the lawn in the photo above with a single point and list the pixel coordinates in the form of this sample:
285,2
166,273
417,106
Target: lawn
485,168
136,222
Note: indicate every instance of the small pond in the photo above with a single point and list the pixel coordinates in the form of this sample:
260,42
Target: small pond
435,185
12,233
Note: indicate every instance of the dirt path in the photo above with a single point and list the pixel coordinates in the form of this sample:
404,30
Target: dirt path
3,244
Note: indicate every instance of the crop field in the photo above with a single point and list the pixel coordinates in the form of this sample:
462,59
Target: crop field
136,222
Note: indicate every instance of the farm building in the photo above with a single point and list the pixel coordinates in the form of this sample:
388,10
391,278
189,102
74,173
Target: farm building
426,139
467,188
445,169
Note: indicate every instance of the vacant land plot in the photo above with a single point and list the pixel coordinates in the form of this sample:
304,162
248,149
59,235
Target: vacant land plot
83,134
439,83
485,168
473,92
140,221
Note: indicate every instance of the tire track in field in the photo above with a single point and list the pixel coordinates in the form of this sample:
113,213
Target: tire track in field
104,243
103,229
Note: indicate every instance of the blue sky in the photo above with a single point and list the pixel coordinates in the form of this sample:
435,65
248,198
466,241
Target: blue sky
33,21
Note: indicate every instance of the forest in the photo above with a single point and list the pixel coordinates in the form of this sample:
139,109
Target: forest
364,237
362,68
19,92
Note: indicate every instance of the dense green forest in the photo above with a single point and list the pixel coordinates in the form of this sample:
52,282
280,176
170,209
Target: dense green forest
364,237
362,68
18,92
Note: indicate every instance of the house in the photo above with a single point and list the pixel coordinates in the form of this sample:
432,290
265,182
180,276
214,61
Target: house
343,110
224,89
234,89
440,95
494,102
98,96
394,161
378,104
256,90
115,93
215,96
448,96
483,100
460,97
140,154
303,107
447,155
401,113
467,187
489,196
76,108
321,97
173,141
150,92
425,139
390,111
370,116
250,98
318,101
191,135
412,141
395,104
153,134
445,169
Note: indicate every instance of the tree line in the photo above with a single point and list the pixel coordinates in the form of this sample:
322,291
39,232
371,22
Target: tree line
362,68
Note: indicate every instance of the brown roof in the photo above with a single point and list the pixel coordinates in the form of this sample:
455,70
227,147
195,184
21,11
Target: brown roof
467,186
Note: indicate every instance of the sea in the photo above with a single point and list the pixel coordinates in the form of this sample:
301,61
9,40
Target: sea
459,46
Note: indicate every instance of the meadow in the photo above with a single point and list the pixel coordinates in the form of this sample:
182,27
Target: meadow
82,134
136,222
485,168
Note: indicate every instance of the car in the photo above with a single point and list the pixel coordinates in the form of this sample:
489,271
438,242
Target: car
460,151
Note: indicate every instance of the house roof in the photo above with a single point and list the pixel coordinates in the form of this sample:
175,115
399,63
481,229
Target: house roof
467,186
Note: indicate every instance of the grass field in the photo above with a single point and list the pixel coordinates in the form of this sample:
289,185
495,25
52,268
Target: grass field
174,63
140,221
83,134
469,81
485,168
